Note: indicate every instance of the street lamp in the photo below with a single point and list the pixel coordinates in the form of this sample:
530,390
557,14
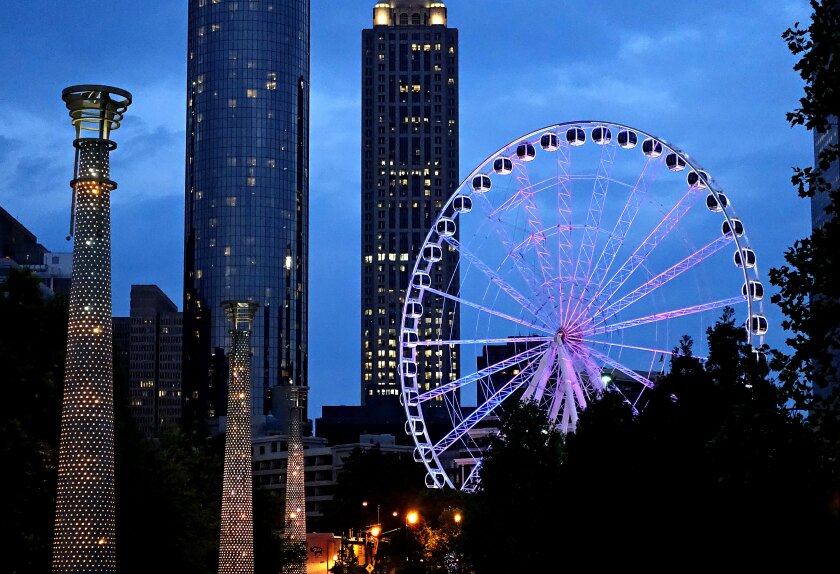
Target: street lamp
412,517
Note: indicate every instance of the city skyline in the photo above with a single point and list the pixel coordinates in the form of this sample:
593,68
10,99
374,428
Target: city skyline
616,65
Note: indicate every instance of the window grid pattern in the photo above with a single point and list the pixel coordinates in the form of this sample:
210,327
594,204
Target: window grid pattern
410,163
246,232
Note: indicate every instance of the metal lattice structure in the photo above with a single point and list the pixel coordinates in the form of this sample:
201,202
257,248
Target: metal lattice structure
84,538
587,250
295,517
236,548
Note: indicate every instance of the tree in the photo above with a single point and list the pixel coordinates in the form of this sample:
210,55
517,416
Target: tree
519,502
33,340
809,290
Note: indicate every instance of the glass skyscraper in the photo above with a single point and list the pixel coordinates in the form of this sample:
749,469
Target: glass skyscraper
409,169
247,190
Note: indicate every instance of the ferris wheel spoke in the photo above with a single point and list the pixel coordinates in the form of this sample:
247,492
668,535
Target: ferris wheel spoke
656,317
490,341
489,311
619,367
485,372
466,424
655,283
522,194
619,233
497,280
633,347
471,482
564,224
539,240
515,257
597,202
651,242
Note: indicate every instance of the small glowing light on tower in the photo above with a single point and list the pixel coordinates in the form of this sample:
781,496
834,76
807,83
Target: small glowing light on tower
437,14
382,14
606,379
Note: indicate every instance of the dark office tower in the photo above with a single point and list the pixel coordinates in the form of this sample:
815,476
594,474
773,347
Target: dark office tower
247,194
85,525
154,363
821,201
409,169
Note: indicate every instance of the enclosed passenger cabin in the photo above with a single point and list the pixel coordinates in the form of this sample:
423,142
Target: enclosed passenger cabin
410,338
421,280
549,142
745,258
423,453
651,148
575,136
502,165
462,204
408,369
627,139
445,227
699,178
432,253
526,152
736,224
674,162
414,425
601,135
758,325
716,204
481,183
753,290
413,309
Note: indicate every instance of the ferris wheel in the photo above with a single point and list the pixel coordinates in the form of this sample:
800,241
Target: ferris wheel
585,252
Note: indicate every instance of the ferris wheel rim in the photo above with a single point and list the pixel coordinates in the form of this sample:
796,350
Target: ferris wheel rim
425,451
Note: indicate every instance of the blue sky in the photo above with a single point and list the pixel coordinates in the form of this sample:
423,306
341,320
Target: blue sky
712,77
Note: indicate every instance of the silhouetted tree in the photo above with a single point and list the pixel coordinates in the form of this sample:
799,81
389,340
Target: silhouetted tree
33,338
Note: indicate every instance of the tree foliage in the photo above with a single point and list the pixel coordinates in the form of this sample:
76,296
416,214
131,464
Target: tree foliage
809,290
714,457
32,346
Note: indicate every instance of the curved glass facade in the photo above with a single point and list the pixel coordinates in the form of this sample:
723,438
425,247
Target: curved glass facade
247,189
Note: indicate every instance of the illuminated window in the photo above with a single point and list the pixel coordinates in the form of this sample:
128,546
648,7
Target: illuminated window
232,103
227,251
251,93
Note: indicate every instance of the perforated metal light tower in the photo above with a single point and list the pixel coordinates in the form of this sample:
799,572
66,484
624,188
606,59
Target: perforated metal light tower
84,538
295,493
236,548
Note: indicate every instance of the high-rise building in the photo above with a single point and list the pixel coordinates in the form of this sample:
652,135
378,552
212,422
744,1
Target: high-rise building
247,190
154,360
832,175
409,170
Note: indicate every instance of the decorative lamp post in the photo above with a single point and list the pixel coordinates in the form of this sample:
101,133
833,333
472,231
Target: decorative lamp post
236,548
84,535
